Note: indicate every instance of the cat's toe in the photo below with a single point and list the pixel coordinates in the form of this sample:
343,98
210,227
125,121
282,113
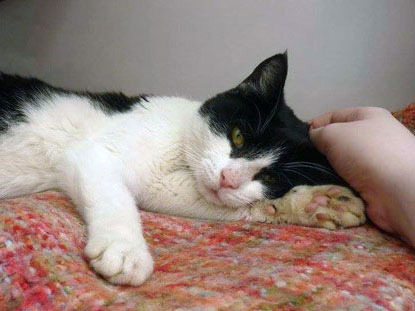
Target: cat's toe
334,206
120,261
137,267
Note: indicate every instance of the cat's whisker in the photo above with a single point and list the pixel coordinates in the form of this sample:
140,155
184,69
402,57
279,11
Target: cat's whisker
311,165
308,163
242,202
301,174
190,154
286,178
239,199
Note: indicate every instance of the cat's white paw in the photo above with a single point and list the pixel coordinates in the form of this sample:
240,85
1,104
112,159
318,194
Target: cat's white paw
327,207
119,260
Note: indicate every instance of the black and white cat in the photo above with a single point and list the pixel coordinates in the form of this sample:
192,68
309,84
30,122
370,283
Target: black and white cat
232,157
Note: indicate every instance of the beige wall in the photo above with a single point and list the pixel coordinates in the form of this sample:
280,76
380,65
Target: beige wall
341,53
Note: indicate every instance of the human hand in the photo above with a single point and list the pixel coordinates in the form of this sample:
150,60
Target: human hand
375,154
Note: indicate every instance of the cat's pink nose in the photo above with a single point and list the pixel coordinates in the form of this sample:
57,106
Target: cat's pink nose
229,178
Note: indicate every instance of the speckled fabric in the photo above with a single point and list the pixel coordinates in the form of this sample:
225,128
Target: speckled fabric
407,116
201,265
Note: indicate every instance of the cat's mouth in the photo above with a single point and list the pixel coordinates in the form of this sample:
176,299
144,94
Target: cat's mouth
218,196
213,196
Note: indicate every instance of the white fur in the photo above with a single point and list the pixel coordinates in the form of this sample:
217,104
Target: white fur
163,157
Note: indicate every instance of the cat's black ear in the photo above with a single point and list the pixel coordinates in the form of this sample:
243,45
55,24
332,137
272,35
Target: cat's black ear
268,78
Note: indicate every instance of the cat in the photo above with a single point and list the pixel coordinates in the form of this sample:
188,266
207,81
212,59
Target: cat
241,155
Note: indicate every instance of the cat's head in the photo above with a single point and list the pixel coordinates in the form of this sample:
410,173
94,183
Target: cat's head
244,137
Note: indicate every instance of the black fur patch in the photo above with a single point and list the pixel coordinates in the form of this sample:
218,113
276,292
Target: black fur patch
257,107
116,102
16,92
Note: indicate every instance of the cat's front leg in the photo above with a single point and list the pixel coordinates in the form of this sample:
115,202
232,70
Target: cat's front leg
116,247
325,206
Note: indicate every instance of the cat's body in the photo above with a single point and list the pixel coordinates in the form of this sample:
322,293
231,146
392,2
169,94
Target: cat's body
228,159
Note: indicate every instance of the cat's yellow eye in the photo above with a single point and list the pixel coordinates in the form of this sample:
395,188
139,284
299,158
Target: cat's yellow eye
237,137
269,179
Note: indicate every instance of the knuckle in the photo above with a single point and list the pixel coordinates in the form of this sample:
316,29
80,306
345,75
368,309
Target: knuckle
330,136
356,114
373,111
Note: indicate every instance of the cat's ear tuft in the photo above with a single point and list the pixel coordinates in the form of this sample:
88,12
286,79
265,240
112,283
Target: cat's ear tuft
268,78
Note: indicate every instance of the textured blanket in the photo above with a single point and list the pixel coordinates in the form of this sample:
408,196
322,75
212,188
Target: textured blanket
201,265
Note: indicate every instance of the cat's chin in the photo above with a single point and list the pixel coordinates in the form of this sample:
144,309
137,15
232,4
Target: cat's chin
216,197
210,195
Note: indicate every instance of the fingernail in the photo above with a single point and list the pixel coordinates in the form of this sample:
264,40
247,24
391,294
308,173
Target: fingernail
310,124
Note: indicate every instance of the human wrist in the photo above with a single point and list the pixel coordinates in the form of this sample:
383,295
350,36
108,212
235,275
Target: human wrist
402,195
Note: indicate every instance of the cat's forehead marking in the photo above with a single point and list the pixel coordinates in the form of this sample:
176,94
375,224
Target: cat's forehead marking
262,160
253,165
265,160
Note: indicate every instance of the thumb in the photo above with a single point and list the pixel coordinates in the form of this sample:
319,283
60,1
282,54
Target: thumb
320,139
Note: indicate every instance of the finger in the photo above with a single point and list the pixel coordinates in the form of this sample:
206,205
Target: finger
337,116
328,136
378,216
319,141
